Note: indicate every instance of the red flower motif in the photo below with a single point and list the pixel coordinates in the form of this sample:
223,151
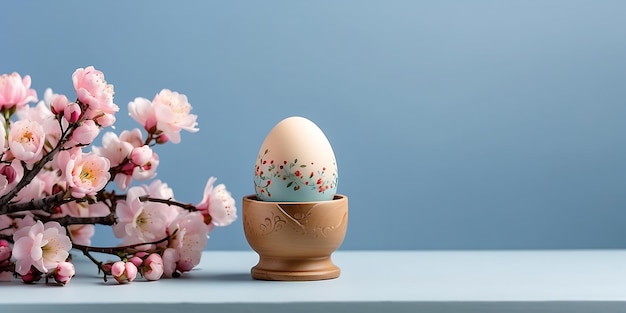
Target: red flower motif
297,173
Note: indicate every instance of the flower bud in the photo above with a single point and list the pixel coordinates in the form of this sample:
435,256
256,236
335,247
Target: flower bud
124,272
153,267
105,120
86,132
31,276
5,251
162,139
59,104
141,254
136,260
64,273
9,172
141,155
71,112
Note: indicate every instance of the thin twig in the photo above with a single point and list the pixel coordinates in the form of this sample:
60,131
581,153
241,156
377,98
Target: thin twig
187,206
120,249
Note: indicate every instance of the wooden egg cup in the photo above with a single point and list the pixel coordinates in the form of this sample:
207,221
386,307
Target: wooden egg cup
295,240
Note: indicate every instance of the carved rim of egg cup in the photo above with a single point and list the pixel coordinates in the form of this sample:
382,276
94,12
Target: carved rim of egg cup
295,240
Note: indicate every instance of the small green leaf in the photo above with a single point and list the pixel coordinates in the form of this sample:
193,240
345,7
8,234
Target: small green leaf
266,150
289,185
295,161
303,165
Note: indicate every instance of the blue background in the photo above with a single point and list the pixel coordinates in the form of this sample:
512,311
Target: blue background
456,124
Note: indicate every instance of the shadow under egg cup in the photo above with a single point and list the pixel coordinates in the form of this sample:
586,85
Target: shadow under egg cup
295,240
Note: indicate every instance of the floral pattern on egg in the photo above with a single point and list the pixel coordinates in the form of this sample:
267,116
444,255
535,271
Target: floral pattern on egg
294,176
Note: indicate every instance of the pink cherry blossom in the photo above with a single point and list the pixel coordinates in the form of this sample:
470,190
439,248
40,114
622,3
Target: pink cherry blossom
59,104
217,204
9,225
148,169
141,155
84,209
85,173
71,112
104,120
170,259
50,180
15,91
113,148
134,137
31,191
172,111
43,246
85,133
153,267
189,240
142,110
140,221
160,189
93,90
41,114
64,273
124,272
26,140
123,179
81,233
10,175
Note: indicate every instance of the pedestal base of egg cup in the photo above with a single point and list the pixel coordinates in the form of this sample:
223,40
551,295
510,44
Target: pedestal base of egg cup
295,240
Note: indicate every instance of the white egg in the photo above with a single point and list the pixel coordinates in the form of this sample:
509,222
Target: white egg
295,163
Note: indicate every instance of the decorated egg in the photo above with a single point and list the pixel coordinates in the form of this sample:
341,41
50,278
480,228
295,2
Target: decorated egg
295,163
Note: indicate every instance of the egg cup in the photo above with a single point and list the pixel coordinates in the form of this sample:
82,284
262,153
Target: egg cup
295,240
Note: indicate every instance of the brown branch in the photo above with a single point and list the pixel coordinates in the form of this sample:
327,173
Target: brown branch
121,249
73,220
44,204
187,206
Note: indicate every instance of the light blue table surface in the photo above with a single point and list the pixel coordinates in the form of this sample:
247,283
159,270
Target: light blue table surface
396,281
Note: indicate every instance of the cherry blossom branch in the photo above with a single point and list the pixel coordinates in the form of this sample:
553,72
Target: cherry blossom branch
187,206
73,220
29,174
120,249
44,204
